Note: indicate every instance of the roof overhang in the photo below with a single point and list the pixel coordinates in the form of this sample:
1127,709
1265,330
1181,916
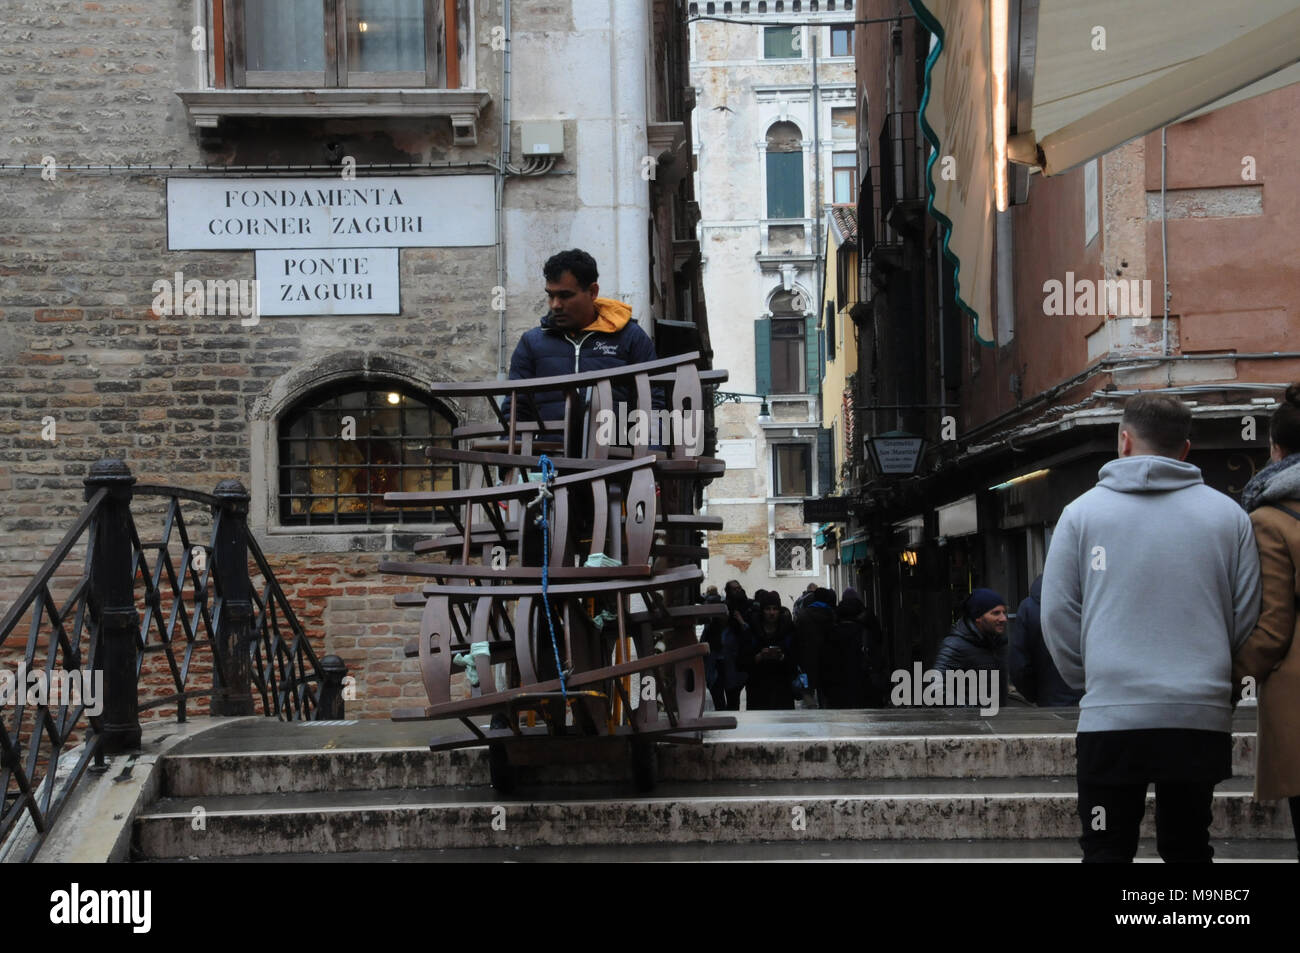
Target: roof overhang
1051,84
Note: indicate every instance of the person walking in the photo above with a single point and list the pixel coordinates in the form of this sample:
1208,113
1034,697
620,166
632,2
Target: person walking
1032,670
843,664
1151,584
735,636
768,657
816,619
1269,661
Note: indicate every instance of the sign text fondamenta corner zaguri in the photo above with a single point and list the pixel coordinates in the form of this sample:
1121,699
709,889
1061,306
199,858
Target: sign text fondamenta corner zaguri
383,212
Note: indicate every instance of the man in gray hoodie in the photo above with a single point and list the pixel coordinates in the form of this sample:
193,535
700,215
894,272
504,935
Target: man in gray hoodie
1151,584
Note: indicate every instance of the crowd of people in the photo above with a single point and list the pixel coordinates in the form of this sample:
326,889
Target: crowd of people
1163,604
823,652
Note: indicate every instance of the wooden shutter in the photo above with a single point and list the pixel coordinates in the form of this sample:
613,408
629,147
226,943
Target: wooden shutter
830,331
785,185
812,356
825,461
763,356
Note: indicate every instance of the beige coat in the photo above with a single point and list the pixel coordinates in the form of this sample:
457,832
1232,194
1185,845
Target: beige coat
1272,653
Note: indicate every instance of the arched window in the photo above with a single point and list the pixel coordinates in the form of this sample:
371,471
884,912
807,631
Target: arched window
343,447
784,171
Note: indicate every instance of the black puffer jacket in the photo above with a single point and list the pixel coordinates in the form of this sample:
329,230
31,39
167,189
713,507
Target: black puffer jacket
1032,670
966,649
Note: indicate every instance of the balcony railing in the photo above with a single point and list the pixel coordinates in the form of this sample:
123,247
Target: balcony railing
899,161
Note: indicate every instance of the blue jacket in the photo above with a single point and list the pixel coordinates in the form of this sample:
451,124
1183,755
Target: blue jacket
613,339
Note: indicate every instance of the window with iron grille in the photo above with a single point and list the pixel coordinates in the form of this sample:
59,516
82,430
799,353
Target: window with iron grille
343,448
793,554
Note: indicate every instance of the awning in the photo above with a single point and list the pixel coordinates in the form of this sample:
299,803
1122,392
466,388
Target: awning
1054,83
854,550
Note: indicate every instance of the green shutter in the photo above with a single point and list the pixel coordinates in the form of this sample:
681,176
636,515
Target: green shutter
830,331
826,461
812,356
785,185
763,356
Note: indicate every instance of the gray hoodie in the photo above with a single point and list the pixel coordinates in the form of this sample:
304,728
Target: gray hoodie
1151,584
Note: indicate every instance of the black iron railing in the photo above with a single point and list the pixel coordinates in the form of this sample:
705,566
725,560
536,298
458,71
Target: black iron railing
179,609
899,161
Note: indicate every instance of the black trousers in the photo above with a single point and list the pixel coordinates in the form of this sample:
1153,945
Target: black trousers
1111,815
1115,768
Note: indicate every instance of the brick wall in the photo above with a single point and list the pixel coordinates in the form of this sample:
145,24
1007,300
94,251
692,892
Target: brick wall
172,395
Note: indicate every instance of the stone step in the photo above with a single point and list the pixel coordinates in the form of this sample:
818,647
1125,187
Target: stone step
875,851
252,757
727,812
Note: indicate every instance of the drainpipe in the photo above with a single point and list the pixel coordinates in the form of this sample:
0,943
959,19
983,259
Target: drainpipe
503,162
818,264
1164,251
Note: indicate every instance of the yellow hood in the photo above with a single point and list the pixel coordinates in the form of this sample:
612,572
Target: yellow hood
611,316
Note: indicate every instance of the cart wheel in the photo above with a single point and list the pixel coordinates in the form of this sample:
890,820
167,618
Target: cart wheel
643,764
503,774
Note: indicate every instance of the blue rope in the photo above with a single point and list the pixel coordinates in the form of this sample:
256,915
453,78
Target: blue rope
548,477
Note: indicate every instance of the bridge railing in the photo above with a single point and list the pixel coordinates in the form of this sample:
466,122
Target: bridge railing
145,623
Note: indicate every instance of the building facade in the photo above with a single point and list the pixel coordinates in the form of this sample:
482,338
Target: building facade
774,137
242,239
1161,265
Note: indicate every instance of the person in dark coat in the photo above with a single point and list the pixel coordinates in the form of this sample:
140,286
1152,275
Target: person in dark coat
816,619
876,685
735,636
805,597
1032,670
768,658
978,641
843,665
712,636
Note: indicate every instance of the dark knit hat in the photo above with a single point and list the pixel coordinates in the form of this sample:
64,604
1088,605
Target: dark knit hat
849,593
767,597
982,601
825,596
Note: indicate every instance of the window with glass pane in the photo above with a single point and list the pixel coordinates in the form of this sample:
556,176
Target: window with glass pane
285,37
787,355
791,475
781,42
844,168
385,35
842,40
342,449
330,43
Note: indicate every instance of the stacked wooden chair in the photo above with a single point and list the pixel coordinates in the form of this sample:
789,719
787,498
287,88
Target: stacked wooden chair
565,593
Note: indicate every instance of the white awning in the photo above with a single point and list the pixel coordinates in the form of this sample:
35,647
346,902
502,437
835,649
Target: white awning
1073,79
